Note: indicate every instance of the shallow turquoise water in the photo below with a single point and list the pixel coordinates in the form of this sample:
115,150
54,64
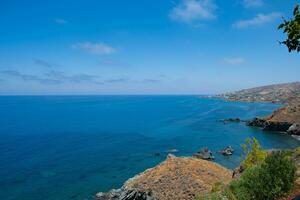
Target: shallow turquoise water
70,147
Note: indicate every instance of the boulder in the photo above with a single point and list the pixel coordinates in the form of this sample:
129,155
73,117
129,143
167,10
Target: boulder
227,151
204,154
294,129
124,194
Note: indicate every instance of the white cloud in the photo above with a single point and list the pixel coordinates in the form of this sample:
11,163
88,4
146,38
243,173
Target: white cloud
60,21
258,20
253,3
189,11
95,48
234,61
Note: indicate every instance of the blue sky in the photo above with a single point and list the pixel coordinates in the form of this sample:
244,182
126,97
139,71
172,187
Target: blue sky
142,46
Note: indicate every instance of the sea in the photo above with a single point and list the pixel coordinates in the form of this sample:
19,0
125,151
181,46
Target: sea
71,147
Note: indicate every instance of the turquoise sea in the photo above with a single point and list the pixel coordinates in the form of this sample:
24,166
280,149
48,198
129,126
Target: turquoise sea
70,147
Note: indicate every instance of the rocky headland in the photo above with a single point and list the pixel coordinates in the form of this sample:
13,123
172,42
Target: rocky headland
175,178
285,119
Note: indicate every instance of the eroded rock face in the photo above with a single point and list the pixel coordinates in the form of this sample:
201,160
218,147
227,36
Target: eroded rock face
276,126
177,178
124,194
268,125
257,122
294,129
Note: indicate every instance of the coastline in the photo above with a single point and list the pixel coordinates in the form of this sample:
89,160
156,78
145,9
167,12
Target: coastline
267,123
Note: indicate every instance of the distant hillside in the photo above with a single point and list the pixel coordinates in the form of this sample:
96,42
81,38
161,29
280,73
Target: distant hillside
285,119
279,93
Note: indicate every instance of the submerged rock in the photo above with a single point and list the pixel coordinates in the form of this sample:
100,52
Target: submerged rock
231,120
204,154
172,150
156,154
227,151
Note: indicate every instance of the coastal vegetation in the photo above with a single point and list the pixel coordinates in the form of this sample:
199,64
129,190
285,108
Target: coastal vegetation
255,154
265,176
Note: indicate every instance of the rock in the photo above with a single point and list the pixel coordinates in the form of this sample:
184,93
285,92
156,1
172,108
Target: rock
294,129
204,154
227,151
124,194
268,125
257,122
232,120
156,154
172,151
276,126
237,172
111,195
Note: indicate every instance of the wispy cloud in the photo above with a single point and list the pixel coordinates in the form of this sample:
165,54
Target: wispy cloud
117,80
253,3
53,77
28,77
77,78
151,80
44,63
191,11
60,21
95,48
258,20
234,60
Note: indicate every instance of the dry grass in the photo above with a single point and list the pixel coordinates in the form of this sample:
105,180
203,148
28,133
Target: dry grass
180,178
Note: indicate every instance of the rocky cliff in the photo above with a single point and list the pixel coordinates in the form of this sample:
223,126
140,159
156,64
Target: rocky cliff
285,119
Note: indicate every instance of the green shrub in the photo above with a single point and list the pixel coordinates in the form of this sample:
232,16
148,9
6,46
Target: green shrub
279,174
254,153
272,179
211,196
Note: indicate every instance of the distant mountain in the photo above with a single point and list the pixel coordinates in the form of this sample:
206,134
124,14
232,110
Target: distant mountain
278,93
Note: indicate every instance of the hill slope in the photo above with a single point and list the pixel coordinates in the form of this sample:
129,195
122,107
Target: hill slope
175,178
279,93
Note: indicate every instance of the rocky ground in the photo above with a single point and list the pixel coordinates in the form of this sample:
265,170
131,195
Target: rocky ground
176,178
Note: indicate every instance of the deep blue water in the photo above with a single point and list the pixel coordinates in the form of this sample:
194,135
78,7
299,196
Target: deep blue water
70,147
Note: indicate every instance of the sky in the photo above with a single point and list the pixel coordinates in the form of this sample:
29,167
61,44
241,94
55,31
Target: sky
67,47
